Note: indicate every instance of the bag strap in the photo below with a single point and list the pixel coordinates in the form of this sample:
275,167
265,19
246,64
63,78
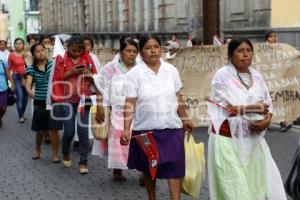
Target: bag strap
2,63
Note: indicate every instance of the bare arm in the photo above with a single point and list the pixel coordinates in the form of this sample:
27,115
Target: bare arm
100,109
187,123
72,72
129,109
28,86
9,77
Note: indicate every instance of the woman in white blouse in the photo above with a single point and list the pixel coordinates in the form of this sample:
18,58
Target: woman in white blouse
240,165
154,103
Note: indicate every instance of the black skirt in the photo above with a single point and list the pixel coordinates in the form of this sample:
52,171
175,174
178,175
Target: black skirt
42,118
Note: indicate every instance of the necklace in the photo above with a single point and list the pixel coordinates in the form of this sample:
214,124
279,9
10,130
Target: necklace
245,79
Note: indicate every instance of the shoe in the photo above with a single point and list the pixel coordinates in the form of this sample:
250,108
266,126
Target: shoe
21,120
67,163
36,156
118,176
83,169
56,160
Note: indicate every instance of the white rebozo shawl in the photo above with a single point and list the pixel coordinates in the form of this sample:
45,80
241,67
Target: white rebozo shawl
227,89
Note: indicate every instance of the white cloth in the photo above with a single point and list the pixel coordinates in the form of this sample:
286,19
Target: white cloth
96,62
157,104
4,55
227,89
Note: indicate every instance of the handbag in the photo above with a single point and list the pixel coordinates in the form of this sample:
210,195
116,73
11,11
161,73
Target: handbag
292,184
11,97
194,167
100,131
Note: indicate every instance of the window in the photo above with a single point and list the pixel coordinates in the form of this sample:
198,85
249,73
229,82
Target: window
34,5
237,6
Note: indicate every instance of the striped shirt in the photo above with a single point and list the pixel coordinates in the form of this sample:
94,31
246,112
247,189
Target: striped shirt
40,80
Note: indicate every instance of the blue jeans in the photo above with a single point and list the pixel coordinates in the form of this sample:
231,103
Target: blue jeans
70,113
21,95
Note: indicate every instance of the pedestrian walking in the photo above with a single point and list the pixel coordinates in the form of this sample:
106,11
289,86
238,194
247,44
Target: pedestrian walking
154,103
17,65
110,83
4,77
75,70
42,122
240,165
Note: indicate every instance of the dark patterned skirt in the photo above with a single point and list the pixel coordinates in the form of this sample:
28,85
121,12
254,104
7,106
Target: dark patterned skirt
170,144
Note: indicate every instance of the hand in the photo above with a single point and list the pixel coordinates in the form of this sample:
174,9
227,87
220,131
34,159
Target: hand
125,138
258,126
88,75
76,70
100,115
31,94
188,126
12,87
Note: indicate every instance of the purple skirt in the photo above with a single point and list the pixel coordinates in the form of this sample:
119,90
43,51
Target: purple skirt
3,99
170,144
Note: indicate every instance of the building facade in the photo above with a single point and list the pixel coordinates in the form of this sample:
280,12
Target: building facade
17,28
252,18
32,17
105,20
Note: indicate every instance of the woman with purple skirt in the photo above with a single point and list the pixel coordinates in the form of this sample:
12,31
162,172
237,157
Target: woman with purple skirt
154,103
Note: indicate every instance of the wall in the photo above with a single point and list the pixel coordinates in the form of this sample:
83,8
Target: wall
16,19
285,14
245,18
106,20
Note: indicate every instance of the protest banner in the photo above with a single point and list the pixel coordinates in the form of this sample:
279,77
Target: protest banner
278,63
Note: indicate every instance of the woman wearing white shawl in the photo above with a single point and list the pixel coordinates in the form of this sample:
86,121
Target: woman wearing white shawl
109,83
240,165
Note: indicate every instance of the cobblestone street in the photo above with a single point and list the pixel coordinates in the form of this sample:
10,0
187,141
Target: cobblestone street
23,178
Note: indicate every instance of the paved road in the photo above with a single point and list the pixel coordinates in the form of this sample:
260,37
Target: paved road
25,179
